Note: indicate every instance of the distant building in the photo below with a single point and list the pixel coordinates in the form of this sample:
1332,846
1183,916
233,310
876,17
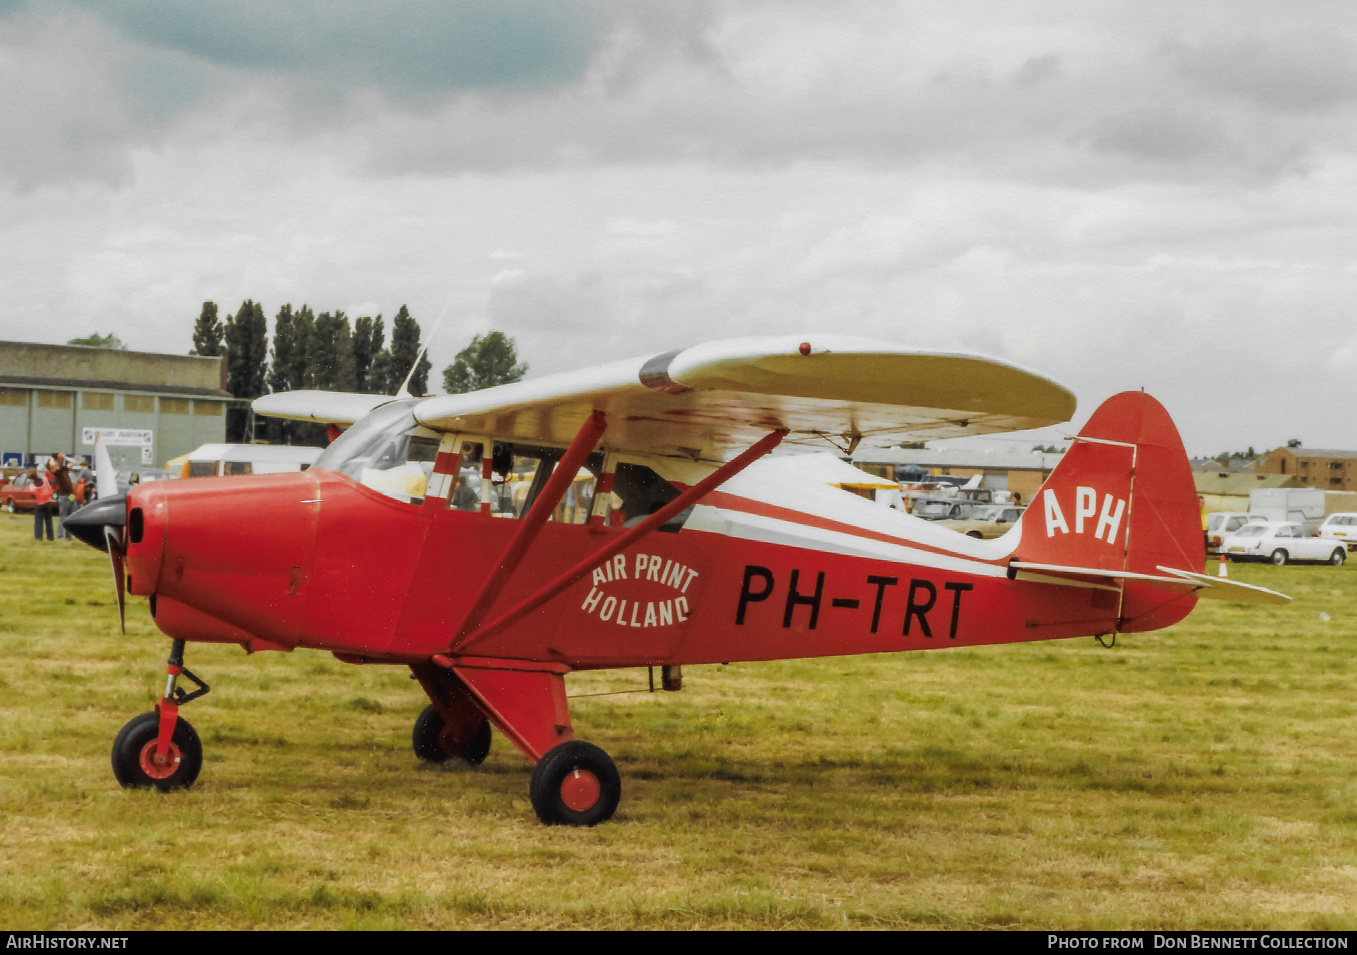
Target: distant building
1020,472
1325,469
149,407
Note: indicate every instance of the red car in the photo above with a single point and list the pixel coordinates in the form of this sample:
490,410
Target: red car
17,495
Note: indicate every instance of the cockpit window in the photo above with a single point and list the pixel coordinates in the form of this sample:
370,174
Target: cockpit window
387,451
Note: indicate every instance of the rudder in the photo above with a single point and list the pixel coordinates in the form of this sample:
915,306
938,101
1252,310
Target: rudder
1121,499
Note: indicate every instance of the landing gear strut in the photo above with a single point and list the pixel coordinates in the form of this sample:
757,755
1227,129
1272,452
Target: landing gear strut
160,748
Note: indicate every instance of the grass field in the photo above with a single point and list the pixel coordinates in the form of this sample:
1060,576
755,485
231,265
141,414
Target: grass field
1199,777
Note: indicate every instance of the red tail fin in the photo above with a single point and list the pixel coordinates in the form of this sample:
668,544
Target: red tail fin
1123,497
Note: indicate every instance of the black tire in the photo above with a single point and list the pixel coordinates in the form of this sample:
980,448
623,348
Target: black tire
1338,556
569,763
428,739
1279,557
139,734
976,534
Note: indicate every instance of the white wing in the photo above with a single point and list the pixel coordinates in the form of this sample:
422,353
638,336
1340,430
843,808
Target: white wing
704,401
326,407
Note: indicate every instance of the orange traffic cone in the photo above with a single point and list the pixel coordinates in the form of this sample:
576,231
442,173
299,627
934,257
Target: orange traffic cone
1222,572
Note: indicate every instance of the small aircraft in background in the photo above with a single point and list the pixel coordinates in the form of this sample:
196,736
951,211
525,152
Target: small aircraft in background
693,549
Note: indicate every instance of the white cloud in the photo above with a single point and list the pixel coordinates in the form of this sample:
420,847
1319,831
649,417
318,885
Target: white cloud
1110,197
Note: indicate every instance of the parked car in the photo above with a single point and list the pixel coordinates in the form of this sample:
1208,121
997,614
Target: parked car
1340,527
990,520
1281,542
17,495
943,509
1220,524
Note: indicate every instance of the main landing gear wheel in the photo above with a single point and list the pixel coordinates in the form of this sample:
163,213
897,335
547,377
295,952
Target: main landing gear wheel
575,784
433,744
1279,557
134,755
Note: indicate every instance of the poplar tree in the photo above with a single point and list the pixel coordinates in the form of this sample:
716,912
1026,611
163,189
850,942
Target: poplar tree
208,333
405,348
246,339
332,353
368,337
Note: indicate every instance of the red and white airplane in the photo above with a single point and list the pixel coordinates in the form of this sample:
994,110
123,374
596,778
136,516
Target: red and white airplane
692,550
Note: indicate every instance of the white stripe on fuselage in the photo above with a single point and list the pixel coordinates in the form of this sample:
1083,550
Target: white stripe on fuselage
771,530
913,536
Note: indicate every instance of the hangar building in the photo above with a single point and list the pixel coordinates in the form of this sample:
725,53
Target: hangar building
148,407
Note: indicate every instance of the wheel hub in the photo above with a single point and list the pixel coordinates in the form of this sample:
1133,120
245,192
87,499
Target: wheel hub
160,767
580,790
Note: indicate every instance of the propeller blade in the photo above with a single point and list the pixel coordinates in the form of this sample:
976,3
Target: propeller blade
113,538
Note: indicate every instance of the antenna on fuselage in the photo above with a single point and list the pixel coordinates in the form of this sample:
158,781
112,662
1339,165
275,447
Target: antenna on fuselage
404,390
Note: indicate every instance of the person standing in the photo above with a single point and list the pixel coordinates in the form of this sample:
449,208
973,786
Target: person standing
59,476
43,491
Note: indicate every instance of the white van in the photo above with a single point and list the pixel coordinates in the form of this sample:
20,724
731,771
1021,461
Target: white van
216,460
1302,505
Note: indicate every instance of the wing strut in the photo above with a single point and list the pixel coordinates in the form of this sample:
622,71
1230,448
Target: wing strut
684,500
585,441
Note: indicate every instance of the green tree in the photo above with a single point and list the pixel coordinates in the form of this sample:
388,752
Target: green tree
331,353
405,349
208,333
96,340
368,337
382,377
247,350
488,361
287,370
283,367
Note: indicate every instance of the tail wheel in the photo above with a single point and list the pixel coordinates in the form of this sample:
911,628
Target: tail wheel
575,784
1279,557
134,755
432,742
1338,556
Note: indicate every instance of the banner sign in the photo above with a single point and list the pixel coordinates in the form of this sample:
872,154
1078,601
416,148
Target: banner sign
121,438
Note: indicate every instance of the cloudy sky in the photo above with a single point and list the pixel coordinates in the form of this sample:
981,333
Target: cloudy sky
1116,194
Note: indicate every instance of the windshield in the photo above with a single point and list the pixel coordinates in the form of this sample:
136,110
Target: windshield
388,451
1252,530
933,509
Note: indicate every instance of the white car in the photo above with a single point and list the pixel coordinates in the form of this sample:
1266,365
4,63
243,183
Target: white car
1281,542
1341,527
1221,524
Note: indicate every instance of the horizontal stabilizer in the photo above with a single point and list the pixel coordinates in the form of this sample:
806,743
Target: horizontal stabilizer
1220,588
1091,576
1171,578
